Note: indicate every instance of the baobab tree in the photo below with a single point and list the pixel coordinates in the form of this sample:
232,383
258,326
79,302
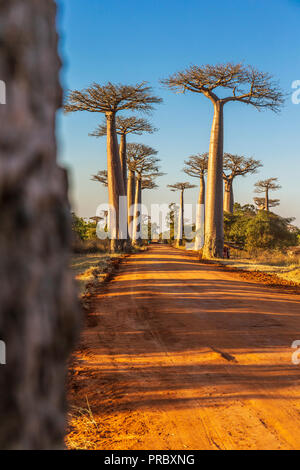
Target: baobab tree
181,187
246,85
142,163
260,202
101,177
264,187
125,126
196,166
236,165
149,183
110,99
39,312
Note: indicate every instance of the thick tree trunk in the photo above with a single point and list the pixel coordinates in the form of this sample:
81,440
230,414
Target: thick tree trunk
123,160
115,181
228,196
200,215
179,240
39,314
130,201
214,233
136,235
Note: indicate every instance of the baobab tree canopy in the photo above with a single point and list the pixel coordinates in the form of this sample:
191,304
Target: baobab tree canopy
236,165
196,165
140,158
181,186
126,125
246,84
260,202
111,98
265,186
269,184
149,183
101,177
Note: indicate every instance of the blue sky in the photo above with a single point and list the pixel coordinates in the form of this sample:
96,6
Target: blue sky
128,41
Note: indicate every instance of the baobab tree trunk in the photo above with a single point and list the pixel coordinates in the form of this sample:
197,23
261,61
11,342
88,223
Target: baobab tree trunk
200,214
123,160
228,196
267,200
180,221
136,235
130,201
115,182
39,314
214,233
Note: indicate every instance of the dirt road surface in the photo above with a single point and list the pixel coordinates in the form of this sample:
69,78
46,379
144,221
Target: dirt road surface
183,355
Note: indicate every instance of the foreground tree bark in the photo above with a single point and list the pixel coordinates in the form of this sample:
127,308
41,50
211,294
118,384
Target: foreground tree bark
39,315
247,85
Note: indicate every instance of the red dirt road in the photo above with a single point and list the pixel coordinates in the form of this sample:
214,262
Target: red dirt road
184,355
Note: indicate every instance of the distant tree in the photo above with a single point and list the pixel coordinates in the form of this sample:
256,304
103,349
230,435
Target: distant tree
110,99
172,220
260,202
101,177
181,187
269,231
264,187
196,166
246,85
125,126
142,163
236,165
148,183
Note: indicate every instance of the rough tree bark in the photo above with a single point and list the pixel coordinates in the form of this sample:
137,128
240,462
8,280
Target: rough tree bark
214,231
39,315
